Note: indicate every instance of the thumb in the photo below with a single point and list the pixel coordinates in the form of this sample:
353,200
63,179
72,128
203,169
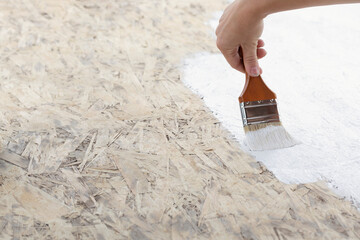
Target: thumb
251,61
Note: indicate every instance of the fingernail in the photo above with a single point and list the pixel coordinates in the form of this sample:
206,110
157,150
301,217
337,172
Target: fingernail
254,72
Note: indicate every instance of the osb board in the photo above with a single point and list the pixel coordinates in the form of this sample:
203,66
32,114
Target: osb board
101,140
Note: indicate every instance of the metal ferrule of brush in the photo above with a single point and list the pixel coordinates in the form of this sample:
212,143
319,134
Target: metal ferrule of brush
256,112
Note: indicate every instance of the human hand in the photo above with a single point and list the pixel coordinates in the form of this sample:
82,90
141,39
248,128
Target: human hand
238,33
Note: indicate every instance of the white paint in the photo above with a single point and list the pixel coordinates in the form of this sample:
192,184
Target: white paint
313,65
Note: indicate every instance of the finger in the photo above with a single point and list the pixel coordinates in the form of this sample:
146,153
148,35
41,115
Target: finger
260,52
261,43
251,60
233,58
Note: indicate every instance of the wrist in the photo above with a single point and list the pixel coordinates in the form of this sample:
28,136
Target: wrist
259,8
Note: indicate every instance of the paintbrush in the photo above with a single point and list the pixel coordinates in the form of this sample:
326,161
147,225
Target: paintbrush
260,117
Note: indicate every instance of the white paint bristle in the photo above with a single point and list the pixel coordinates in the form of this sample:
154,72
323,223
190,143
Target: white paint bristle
267,136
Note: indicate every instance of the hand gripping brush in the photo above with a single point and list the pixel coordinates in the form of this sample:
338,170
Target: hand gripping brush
260,117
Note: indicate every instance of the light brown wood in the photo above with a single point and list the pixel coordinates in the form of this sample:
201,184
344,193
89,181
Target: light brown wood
255,89
98,127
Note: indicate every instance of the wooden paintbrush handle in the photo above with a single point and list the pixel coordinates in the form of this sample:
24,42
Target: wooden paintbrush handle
255,89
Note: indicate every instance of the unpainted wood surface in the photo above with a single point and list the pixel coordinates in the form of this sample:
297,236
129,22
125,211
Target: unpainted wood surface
101,140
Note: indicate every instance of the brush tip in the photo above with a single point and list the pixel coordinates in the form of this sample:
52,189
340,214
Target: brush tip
268,136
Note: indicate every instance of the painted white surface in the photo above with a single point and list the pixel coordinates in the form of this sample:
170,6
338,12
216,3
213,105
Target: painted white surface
313,64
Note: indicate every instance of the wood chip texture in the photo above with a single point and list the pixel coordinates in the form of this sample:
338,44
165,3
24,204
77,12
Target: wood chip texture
101,140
